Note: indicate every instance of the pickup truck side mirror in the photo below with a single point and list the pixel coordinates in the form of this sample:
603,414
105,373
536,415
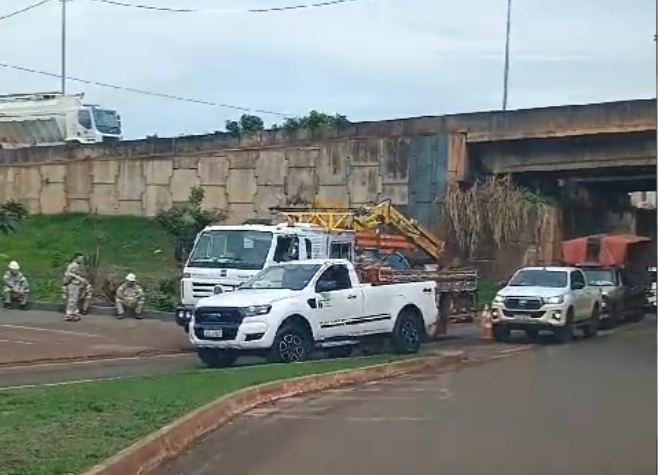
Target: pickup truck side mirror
501,284
325,286
577,286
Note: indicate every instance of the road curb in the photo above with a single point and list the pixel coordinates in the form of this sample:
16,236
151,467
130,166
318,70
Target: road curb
173,439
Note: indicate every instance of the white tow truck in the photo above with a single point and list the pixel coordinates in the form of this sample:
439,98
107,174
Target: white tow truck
555,299
225,257
289,309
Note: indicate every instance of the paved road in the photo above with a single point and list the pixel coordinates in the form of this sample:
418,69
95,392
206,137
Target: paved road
34,336
50,373
57,373
586,409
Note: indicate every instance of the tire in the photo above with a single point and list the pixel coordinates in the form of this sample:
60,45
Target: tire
214,358
592,328
292,344
637,317
564,334
613,318
501,333
340,352
407,334
532,335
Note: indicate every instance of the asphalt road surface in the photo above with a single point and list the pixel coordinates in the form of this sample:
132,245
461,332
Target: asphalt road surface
584,409
464,337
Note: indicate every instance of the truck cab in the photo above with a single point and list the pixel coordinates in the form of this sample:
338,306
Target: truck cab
225,257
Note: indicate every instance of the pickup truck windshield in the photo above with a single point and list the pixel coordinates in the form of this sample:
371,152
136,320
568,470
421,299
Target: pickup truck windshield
600,277
231,249
539,278
290,277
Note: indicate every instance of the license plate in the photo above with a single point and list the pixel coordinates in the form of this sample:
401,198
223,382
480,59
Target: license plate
213,333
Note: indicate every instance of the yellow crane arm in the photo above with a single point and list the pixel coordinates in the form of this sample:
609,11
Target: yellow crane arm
386,213
367,219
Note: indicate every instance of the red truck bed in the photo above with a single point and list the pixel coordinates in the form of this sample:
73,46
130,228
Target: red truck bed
607,250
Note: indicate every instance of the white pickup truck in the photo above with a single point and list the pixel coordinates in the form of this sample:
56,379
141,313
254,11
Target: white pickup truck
289,309
555,299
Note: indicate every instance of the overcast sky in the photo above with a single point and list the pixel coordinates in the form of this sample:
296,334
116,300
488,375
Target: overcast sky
369,60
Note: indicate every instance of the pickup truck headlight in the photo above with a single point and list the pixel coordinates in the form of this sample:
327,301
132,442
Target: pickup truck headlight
498,299
255,310
558,299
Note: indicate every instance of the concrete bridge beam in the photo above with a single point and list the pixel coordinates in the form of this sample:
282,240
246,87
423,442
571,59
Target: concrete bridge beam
631,150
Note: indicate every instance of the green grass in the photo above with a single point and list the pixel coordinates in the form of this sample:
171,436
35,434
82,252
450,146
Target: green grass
45,244
63,430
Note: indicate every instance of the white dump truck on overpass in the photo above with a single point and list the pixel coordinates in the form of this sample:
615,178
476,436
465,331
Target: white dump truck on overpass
43,119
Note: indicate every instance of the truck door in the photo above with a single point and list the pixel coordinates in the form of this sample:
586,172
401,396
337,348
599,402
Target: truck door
339,304
287,249
582,294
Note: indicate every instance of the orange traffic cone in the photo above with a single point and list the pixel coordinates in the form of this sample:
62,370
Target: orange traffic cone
486,325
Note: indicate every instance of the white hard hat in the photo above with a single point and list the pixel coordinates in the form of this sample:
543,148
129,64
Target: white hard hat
13,265
131,277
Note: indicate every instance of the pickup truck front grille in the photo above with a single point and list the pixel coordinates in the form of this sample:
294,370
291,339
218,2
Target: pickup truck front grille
523,303
531,314
218,315
205,289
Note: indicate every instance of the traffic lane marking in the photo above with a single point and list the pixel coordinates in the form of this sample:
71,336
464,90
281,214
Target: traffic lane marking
20,377
22,368
18,342
51,330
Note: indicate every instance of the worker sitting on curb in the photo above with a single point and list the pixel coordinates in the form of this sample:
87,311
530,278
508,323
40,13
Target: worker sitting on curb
16,286
130,296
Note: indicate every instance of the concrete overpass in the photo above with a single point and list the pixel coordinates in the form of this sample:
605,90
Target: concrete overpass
613,141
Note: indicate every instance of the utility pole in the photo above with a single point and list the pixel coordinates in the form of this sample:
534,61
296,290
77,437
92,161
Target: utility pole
63,47
508,30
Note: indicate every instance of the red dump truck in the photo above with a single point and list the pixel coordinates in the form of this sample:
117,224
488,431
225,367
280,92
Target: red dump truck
617,264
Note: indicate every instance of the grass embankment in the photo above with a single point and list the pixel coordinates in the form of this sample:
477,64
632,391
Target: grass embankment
64,430
44,245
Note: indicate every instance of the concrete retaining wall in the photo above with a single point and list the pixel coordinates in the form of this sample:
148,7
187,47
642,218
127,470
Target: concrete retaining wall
244,181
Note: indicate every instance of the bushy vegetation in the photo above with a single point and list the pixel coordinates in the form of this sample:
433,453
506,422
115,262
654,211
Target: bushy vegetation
248,125
493,209
184,221
12,215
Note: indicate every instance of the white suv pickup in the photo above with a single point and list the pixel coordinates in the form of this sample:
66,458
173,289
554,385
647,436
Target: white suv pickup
288,309
556,299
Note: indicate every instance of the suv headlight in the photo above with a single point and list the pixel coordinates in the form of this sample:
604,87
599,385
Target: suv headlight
498,298
255,310
558,299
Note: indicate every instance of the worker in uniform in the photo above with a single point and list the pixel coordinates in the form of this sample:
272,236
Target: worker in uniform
76,287
16,287
130,296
